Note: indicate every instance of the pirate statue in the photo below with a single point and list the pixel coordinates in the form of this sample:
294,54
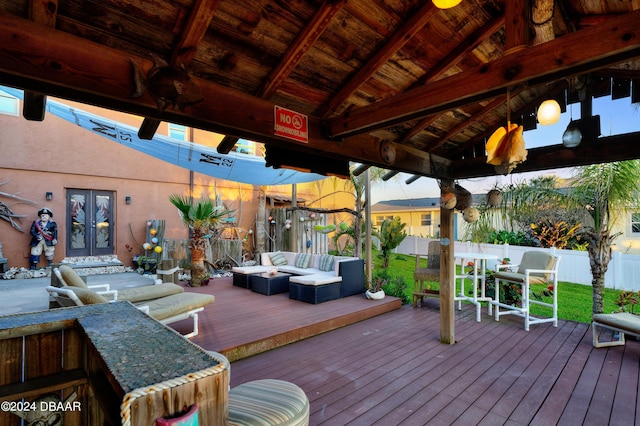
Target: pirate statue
44,237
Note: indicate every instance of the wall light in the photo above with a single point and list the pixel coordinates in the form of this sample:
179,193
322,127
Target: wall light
48,196
548,112
127,199
446,4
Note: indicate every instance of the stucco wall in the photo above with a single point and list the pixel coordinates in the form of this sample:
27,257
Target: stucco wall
54,155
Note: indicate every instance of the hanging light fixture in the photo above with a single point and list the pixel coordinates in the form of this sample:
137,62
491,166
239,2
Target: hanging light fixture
548,112
446,4
573,135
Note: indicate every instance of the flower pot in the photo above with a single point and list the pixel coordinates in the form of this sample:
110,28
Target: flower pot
377,295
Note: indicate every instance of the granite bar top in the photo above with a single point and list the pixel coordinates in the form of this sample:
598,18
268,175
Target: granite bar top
137,350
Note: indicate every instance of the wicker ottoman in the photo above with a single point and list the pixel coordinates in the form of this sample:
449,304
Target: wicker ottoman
315,288
268,402
242,274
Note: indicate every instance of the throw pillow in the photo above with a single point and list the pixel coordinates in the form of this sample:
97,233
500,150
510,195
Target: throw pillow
302,260
326,262
278,259
70,277
88,297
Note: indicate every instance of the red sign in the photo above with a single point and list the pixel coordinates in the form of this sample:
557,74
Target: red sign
290,124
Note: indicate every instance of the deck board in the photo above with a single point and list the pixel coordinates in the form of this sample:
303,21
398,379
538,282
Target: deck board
391,369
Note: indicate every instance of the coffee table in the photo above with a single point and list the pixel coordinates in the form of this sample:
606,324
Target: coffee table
269,284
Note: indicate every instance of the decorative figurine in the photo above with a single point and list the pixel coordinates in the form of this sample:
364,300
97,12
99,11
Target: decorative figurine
44,237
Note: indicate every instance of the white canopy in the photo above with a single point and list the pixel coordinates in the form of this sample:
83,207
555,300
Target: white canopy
234,167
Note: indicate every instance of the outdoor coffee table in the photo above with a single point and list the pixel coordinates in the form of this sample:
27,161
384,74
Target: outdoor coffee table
269,284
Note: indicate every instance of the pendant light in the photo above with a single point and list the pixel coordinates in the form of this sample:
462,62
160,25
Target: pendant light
548,112
446,4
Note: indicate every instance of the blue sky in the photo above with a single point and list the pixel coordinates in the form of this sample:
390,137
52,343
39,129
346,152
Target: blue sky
616,117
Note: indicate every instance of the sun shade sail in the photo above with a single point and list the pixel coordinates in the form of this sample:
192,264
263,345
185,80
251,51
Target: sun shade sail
199,158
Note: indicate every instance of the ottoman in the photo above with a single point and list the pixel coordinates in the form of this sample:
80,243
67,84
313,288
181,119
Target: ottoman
315,288
268,284
241,274
268,402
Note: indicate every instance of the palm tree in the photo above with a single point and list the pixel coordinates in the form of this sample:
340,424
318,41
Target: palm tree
199,216
597,191
603,190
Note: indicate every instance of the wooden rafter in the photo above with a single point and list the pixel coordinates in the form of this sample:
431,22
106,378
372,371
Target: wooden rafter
292,57
412,26
44,13
452,58
196,27
583,51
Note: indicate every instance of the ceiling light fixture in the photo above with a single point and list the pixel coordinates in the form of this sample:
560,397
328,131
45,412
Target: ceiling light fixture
548,112
446,4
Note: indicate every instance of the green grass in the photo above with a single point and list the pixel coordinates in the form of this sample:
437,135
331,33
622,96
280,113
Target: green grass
574,300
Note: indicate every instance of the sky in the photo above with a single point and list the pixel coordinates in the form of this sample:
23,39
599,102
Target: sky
616,117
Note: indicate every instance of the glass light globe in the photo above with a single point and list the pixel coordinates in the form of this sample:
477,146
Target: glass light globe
572,136
446,4
548,112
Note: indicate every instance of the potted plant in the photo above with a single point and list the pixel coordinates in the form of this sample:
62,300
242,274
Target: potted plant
375,291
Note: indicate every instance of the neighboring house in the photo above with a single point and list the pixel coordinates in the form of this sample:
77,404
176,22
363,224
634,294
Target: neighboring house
421,215
422,219
103,193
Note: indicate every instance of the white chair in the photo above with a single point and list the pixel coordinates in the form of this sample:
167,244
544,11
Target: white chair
536,267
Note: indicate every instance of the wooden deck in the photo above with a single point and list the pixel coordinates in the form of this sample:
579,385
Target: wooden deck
391,369
242,323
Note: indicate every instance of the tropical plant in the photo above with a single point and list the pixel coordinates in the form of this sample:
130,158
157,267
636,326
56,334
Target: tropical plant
200,216
391,234
556,234
596,193
625,298
603,190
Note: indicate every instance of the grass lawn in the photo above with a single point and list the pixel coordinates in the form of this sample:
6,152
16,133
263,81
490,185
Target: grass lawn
574,300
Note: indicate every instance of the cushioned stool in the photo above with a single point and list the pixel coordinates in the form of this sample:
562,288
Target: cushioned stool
316,288
268,402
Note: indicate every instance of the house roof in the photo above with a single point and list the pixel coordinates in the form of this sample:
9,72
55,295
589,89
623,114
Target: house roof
427,203
396,84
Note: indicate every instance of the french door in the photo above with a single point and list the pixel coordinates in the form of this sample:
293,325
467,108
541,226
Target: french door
89,222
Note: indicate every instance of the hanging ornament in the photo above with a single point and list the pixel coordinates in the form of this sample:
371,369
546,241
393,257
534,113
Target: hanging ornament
471,214
506,147
448,200
494,198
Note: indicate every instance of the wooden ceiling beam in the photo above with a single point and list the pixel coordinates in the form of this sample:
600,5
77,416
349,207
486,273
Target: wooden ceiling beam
42,59
604,150
586,50
451,59
292,57
405,33
44,12
194,30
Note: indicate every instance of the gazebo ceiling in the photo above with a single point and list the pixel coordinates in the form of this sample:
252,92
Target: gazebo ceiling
397,84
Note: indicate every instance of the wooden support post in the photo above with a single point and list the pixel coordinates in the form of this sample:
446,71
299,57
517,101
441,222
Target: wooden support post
447,273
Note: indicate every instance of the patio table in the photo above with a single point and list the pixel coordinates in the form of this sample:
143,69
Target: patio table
478,275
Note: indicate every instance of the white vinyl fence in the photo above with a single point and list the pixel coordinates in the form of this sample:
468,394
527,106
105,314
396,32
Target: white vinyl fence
623,272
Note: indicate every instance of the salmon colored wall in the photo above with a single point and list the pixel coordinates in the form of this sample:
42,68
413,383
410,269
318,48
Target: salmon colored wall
55,155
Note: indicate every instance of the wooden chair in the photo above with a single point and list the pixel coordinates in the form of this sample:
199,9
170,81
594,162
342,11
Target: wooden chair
422,276
536,267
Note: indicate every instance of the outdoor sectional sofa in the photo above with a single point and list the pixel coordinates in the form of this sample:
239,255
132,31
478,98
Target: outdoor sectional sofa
315,278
